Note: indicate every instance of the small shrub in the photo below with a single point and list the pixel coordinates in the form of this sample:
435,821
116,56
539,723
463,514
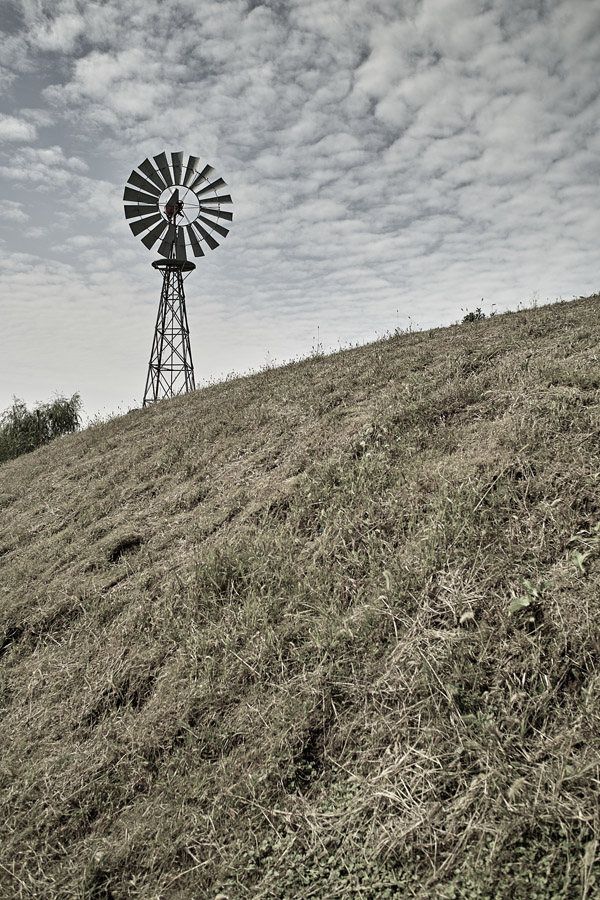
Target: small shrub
474,316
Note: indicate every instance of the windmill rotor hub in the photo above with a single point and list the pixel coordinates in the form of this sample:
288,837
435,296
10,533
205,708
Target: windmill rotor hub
181,204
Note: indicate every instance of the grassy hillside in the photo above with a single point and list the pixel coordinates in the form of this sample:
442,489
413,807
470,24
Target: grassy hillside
328,631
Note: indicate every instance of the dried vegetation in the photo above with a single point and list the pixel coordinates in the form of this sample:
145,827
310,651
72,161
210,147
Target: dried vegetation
328,631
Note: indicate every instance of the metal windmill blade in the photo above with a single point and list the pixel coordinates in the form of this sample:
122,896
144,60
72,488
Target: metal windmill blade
153,174
168,243
214,225
201,176
218,213
191,170
194,243
144,185
177,161
163,167
139,197
210,187
145,223
151,238
206,235
139,210
224,198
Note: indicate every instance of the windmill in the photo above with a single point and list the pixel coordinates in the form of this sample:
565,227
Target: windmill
182,208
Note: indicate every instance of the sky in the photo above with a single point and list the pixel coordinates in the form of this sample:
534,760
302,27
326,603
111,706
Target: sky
392,164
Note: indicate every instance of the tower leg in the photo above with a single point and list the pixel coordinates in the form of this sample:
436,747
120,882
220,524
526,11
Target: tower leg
171,370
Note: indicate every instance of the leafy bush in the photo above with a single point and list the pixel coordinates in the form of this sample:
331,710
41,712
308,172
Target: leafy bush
23,430
475,316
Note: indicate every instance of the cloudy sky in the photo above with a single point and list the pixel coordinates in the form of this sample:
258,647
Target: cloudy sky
391,162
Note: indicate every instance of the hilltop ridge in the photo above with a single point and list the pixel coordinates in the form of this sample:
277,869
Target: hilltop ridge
328,630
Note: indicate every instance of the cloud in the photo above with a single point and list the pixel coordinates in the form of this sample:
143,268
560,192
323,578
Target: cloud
48,166
14,212
15,130
41,118
60,35
53,25
391,155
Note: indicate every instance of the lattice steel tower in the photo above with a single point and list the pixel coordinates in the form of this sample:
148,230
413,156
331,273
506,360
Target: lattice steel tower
181,208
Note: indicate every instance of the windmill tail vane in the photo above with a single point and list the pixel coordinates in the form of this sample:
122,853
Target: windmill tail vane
178,206
174,206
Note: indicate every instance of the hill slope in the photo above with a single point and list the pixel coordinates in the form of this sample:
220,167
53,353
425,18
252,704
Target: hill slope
328,631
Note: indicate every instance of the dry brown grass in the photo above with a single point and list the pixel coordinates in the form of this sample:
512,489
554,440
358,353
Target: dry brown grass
258,639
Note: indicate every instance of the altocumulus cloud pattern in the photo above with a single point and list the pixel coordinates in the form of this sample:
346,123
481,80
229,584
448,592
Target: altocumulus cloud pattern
389,159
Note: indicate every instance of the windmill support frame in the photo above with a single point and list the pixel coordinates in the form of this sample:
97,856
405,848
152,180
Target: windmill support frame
171,369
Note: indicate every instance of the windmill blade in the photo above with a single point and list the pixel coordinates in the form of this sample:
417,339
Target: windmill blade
148,169
202,176
196,248
167,244
130,194
136,179
211,187
207,237
163,168
152,236
216,227
180,245
144,224
225,198
221,213
177,160
132,212
190,170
